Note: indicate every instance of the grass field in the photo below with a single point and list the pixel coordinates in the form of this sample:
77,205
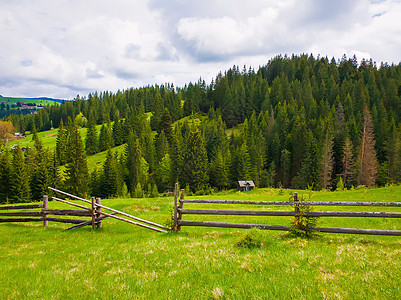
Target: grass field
11,100
124,261
49,141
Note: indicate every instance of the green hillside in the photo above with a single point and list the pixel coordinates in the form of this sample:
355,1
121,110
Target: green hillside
128,262
12,100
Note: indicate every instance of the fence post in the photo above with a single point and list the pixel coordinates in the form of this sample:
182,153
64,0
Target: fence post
175,207
182,196
93,212
296,202
45,207
98,212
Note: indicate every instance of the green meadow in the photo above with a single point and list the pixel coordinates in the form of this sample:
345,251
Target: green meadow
123,261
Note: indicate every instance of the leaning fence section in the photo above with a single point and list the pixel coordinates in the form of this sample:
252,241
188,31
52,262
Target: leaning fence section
180,211
42,213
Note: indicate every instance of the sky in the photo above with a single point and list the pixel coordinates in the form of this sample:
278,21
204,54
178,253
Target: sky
65,48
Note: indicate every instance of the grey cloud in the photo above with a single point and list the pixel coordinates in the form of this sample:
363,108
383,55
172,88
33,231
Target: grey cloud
132,51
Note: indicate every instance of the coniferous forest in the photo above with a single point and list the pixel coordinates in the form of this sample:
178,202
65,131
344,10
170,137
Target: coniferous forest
297,122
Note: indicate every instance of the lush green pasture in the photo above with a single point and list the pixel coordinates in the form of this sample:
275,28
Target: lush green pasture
11,100
129,262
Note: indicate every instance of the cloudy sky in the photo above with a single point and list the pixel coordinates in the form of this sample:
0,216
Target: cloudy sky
61,48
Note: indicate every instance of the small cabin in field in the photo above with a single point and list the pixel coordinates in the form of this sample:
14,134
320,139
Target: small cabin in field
246,185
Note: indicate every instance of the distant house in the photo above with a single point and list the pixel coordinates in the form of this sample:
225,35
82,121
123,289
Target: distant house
246,185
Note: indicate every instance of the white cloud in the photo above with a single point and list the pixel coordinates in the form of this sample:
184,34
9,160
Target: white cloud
62,48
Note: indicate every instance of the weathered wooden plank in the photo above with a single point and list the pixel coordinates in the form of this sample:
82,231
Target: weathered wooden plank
98,213
232,225
111,209
357,231
132,222
31,206
67,212
287,213
72,221
20,220
85,223
22,214
45,206
286,227
70,203
311,203
175,207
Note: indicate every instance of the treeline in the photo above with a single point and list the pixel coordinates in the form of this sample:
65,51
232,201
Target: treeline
297,122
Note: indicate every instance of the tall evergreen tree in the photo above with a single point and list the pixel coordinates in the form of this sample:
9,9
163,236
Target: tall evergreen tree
327,161
133,158
61,144
110,178
76,172
5,177
367,163
195,167
348,161
20,179
105,138
92,140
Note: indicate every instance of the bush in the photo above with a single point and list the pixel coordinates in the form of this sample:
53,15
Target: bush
302,223
251,239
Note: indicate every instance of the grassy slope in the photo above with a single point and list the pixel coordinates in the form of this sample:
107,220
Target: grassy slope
49,140
11,100
124,261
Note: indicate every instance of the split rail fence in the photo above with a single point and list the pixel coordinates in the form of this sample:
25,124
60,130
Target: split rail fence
180,211
94,213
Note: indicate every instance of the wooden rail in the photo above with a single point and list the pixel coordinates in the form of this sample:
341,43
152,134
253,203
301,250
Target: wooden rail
179,211
43,214
154,226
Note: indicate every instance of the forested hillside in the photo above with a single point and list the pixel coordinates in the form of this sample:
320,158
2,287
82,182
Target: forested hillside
296,122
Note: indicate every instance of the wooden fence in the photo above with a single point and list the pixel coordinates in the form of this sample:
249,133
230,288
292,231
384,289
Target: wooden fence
94,213
41,213
179,212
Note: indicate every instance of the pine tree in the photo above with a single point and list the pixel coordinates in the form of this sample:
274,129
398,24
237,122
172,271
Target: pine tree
133,157
195,166
5,177
91,141
40,178
367,163
61,144
105,138
76,172
110,176
347,161
219,172
308,175
20,179
327,161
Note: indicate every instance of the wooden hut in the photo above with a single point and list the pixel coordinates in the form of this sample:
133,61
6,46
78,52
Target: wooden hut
245,185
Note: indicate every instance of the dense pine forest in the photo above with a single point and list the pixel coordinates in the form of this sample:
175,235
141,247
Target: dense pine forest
297,122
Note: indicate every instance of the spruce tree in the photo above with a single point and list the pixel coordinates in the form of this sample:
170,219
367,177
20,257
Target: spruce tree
20,179
40,178
219,172
91,141
133,158
105,138
195,162
76,172
327,161
5,177
367,163
61,144
348,162
110,176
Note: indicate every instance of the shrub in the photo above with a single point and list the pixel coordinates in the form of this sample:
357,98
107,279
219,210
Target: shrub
250,239
302,223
